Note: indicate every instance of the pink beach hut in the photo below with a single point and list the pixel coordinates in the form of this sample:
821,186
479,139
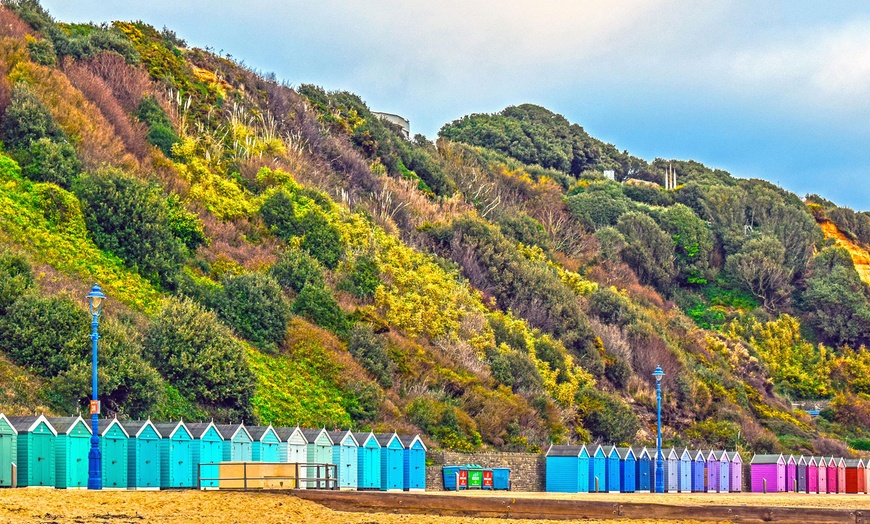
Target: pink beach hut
832,475
791,474
841,475
812,476
823,474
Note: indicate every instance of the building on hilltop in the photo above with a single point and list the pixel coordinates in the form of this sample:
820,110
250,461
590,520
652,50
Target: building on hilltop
400,121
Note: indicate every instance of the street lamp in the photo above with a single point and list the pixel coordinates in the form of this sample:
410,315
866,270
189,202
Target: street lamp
95,478
660,466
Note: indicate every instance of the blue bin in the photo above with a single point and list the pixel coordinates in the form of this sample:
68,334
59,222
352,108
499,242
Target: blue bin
501,478
449,473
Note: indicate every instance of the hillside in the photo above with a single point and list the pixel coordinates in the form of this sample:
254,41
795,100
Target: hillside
281,255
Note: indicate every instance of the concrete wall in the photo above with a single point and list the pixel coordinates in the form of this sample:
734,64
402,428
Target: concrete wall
527,469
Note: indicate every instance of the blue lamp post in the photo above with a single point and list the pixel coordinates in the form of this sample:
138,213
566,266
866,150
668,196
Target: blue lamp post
660,466
95,459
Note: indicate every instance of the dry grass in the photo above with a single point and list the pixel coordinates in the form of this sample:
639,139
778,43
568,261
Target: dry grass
198,507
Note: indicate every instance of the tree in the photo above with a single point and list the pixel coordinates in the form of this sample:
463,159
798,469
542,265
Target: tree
27,120
199,356
131,218
319,306
649,251
368,348
253,304
296,269
836,300
760,267
693,242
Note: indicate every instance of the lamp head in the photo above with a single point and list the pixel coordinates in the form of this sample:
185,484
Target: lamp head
95,300
658,373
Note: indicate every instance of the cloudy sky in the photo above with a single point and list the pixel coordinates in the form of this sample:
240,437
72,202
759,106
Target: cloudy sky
778,90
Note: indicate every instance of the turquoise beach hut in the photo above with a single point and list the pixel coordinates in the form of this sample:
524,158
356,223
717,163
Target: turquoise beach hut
597,470
368,461
36,455
114,443
265,445
414,474
319,452
392,461
238,444
8,451
208,451
176,455
143,455
71,449
344,456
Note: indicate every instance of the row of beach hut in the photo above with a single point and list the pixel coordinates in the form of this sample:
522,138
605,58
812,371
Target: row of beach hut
149,455
800,474
581,469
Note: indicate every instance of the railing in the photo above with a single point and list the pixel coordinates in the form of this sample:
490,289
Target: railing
268,475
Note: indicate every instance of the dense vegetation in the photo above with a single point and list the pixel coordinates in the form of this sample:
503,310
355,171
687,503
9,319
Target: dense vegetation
282,255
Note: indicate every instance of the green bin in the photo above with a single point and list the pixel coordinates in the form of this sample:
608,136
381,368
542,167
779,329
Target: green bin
475,477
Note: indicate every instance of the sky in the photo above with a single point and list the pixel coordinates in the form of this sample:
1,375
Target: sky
778,90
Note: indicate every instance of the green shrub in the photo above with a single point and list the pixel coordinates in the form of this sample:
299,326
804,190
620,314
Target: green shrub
650,251
160,132
279,215
15,279
363,277
184,225
51,161
131,218
617,371
523,228
27,120
607,417
199,356
253,305
610,306
42,52
296,269
368,349
321,239
163,137
363,401
319,306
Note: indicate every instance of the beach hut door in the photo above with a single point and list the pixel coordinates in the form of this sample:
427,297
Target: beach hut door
42,455
6,466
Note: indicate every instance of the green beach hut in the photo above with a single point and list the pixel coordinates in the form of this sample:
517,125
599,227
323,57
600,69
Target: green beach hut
71,449
143,455
8,451
176,455
114,441
36,455
368,461
208,451
265,445
392,462
319,452
237,442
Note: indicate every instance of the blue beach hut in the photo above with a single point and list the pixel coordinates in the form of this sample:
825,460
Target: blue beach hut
642,471
368,461
567,469
414,471
612,469
392,461
8,451
345,457
699,463
685,471
71,449
238,444
597,470
627,469
672,471
265,445
176,455
35,449
208,451
724,471
143,455
114,444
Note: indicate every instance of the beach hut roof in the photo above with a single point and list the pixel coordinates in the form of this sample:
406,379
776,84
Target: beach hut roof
854,463
625,452
767,459
802,460
672,454
105,424
812,461
720,455
64,425
257,432
168,429
29,423
4,417
199,429
841,462
686,454
564,451
640,451
735,457
311,435
698,456
594,451
229,431
285,433
384,439
340,436
135,427
362,437
791,460
408,441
